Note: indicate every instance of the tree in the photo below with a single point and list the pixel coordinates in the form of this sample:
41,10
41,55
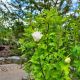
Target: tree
47,4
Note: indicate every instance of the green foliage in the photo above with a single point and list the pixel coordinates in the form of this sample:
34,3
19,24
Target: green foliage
5,35
60,40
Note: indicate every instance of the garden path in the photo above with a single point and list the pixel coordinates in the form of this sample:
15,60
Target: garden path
11,72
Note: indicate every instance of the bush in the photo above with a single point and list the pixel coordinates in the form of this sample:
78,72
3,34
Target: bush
54,51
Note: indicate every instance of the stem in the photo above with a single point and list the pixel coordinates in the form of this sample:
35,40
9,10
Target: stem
44,78
42,69
47,37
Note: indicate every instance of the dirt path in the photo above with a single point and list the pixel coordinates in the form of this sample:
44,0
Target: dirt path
11,72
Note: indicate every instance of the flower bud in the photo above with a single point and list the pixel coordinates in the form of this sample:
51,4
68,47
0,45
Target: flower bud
67,60
37,36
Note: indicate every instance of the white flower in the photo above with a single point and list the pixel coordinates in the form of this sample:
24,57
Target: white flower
37,36
67,60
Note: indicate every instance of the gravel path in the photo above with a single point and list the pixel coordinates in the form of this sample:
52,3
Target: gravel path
11,72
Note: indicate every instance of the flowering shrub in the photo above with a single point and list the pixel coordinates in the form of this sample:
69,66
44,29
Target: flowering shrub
54,52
